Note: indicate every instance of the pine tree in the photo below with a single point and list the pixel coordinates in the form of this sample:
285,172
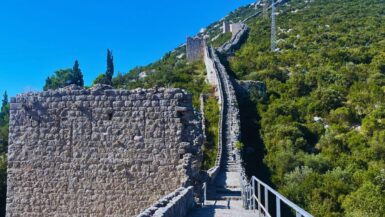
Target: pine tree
110,67
77,75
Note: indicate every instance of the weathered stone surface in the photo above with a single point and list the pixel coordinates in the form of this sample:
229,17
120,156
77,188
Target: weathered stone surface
194,48
239,31
99,152
177,203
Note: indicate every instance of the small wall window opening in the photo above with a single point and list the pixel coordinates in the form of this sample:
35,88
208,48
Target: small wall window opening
110,115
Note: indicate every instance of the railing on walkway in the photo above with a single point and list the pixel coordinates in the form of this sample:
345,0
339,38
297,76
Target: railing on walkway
204,189
255,201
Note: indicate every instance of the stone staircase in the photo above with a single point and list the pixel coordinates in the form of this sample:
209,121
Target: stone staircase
224,194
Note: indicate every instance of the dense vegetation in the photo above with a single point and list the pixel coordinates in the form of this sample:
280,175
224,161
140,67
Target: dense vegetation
4,120
223,38
322,123
64,77
210,148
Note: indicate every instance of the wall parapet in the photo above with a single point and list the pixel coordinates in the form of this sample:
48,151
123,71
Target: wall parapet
100,151
213,74
235,41
177,203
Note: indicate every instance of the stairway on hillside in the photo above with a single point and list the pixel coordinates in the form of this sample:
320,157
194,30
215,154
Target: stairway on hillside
224,194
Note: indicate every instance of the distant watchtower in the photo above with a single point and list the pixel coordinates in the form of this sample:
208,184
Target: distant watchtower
195,48
226,27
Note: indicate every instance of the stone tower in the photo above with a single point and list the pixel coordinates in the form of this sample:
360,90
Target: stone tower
195,48
226,27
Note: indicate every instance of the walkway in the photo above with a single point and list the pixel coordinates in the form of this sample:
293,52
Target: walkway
224,195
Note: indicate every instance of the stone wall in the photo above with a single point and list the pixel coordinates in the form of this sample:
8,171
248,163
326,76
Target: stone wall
211,73
195,49
99,152
178,203
212,77
236,40
225,27
236,27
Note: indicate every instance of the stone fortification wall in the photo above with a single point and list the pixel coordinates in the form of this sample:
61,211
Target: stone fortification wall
211,73
99,152
232,120
195,48
178,203
212,77
236,27
236,39
231,98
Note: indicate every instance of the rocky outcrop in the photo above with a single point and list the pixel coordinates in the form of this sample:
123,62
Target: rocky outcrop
100,151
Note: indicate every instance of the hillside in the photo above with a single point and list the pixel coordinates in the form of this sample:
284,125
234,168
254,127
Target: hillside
319,135
322,122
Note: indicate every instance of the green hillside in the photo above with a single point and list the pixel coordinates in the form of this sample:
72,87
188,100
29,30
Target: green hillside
320,132
322,123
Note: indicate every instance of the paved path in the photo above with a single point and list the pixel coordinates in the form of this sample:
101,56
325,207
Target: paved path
223,208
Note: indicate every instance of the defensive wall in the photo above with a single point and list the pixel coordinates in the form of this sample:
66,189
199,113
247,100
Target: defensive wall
100,151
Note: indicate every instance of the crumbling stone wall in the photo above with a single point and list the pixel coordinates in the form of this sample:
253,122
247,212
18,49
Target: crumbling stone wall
99,152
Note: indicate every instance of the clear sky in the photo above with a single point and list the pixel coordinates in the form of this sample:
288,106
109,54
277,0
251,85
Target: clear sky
40,36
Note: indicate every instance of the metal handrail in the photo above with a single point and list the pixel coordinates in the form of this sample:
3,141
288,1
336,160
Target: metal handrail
204,188
279,197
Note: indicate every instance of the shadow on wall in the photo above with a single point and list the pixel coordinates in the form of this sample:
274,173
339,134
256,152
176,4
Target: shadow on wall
254,150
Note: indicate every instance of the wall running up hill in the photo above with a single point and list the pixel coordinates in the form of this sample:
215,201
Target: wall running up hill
99,152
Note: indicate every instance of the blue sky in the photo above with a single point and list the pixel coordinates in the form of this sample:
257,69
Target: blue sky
38,37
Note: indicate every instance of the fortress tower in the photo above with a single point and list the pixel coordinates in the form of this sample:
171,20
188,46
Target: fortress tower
195,48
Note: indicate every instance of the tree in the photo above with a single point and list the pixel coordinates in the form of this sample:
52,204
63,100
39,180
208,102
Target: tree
110,67
106,78
77,75
4,101
59,79
101,79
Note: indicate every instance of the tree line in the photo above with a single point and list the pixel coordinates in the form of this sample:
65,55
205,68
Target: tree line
74,75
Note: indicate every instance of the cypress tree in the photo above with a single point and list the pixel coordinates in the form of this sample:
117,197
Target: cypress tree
4,101
77,75
110,67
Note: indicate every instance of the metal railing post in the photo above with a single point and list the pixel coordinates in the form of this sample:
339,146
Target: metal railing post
266,200
259,199
253,183
204,193
278,207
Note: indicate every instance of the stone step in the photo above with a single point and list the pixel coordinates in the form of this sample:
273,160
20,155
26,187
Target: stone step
226,186
232,191
223,197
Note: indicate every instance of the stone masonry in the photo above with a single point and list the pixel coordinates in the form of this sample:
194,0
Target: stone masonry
99,152
195,48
